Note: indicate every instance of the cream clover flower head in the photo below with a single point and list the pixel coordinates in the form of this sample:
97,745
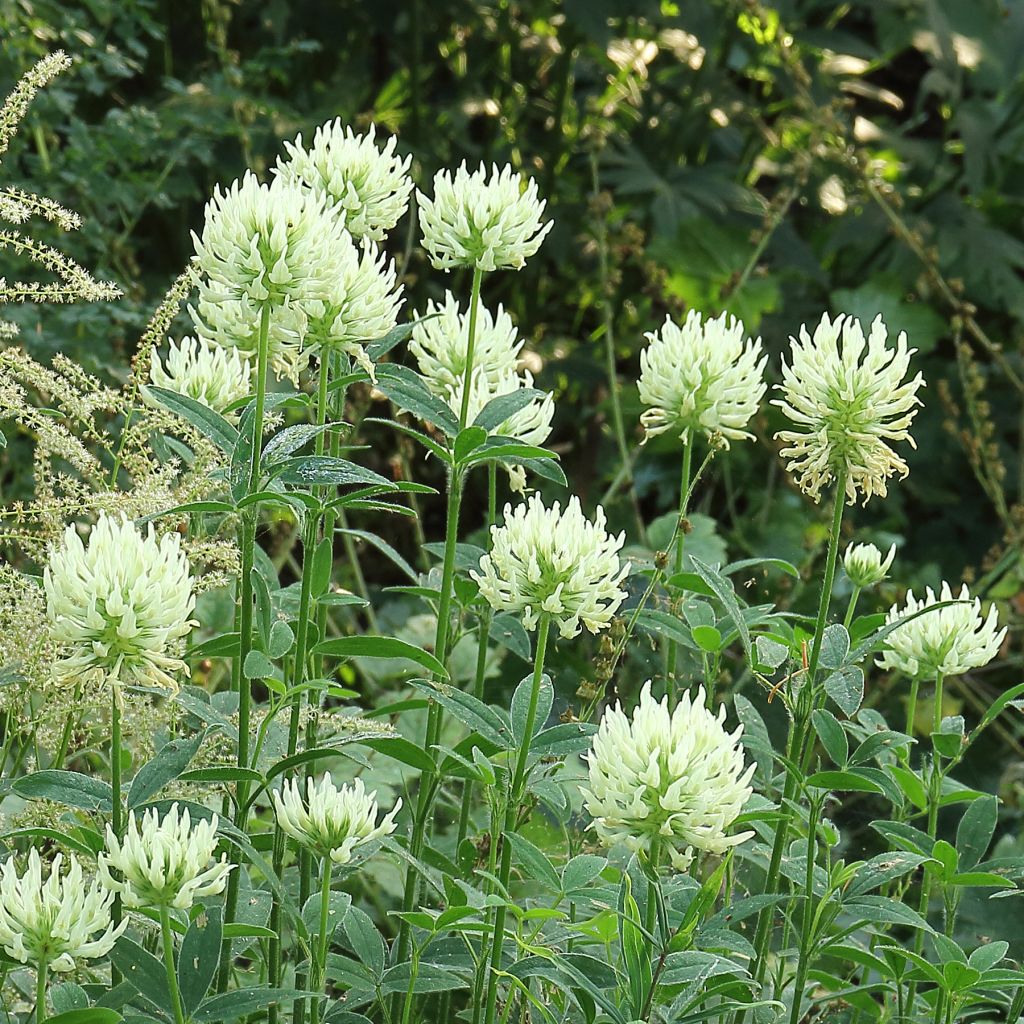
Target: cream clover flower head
701,377
119,604
268,245
333,821
947,641
847,401
214,376
546,561
440,343
235,324
367,184
476,220
865,564
166,863
56,922
667,780
363,304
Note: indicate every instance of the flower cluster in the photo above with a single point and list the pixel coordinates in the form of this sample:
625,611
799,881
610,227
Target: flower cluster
701,377
333,821
119,604
546,561
847,399
667,780
166,863
487,222
367,185
945,641
211,374
865,565
56,922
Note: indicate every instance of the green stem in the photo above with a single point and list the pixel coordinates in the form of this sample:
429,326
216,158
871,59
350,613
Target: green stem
172,974
684,495
511,817
116,818
854,597
467,379
806,944
323,943
41,971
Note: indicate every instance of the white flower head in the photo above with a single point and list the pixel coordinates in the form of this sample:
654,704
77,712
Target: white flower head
947,641
367,184
214,376
55,922
543,560
235,324
120,603
166,863
362,306
440,344
865,564
333,821
664,779
701,377
847,401
271,244
476,220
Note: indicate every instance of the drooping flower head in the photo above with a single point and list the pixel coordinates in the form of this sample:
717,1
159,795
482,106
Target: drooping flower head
479,220
947,641
543,560
671,780
119,604
367,184
847,399
214,376
701,377
166,863
56,922
333,821
440,344
865,564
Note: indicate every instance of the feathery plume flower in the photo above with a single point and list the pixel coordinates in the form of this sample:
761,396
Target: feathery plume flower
560,563
214,376
334,821
701,377
362,305
947,641
865,564
672,780
165,863
368,185
480,221
440,344
845,408
119,603
55,922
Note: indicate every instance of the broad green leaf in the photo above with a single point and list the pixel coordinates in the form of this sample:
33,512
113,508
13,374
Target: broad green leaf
199,957
240,1003
142,969
291,439
407,390
469,710
168,763
832,736
846,688
379,647
534,862
313,470
835,646
499,409
851,781
86,1015
50,835
400,749
707,638
70,788
521,708
467,442
365,941
582,870
976,829
210,424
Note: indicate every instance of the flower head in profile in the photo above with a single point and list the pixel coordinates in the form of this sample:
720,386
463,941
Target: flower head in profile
865,564
54,922
848,397
546,561
701,377
369,185
214,376
666,780
268,245
333,821
478,220
168,863
362,306
946,641
119,604
440,343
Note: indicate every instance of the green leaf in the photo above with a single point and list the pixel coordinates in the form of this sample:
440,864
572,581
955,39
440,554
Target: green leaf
226,774
311,470
67,996
582,870
846,688
467,442
511,451
50,835
499,409
323,560
382,346
770,653
170,761
508,631
429,978
280,640
70,788
407,390
400,749
832,736
469,710
291,439
563,739
767,563
976,829
521,707
724,591
365,940
881,869
379,647
257,666
199,957
835,646
707,638
850,781
384,548
210,424
86,1015
142,970
232,1005
534,861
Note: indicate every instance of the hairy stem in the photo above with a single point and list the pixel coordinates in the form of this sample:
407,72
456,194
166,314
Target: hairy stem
167,941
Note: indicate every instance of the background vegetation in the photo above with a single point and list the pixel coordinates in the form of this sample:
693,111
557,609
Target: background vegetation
770,161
